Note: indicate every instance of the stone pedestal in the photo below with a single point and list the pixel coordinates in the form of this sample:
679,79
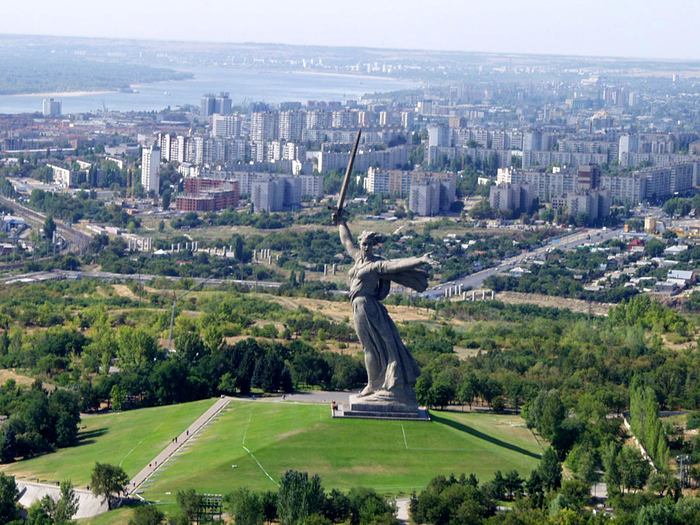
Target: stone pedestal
384,405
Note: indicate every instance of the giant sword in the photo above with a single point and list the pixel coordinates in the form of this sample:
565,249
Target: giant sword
338,212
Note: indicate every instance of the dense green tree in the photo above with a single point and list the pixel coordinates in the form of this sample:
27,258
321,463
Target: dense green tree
549,470
37,515
190,348
513,483
468,390
546,413
189,502
62,510
166,197
447,500
147,515
660,514
9,496
8,453
107,480
245,507
299,497
634,470
49,227
654,248
136,347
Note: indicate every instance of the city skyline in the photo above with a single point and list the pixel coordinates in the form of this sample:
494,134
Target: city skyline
591,28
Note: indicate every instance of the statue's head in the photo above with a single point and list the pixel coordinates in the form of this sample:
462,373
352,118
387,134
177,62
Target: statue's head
367,241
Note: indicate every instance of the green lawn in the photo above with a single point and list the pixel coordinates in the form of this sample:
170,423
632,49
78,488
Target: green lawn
119,516
391,456
345,453
130,439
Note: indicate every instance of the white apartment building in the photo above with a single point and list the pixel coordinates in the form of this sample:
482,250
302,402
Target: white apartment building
291,124
51,108
226,126
150,169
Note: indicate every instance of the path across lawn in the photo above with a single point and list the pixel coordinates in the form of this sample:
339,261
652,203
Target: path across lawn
167,453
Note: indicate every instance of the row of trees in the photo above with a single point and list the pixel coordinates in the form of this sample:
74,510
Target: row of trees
197,370
300,499
646,424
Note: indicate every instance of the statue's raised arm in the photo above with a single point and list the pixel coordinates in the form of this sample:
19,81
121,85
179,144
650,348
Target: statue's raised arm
346,238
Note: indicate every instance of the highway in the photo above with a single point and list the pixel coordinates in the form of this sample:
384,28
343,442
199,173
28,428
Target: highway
567,242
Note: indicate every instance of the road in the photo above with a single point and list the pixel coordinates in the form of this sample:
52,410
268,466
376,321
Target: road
567,242
142,278
473,281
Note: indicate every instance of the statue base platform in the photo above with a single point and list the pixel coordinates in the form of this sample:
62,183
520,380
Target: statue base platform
372,408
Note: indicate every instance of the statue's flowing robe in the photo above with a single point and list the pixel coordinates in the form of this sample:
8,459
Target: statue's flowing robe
391,366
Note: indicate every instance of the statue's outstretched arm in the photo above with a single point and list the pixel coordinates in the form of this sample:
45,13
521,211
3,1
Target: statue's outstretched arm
346,239
409,263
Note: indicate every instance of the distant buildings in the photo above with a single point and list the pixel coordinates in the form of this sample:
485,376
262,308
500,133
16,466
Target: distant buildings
594,203
208,195
211,104
650,183
150,169
588,177
290,125
431,196
64,177
389,158
429,192
227,126
511,197
264,126
276,194
51,108
311,186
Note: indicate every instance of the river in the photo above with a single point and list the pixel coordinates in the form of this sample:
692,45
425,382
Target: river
242,84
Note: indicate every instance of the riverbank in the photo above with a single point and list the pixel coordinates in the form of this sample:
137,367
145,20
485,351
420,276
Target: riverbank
63,94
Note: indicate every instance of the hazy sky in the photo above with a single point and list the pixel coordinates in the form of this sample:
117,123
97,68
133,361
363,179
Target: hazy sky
639,28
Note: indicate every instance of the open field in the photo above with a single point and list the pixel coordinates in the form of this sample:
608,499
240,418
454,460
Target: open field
342,310
22,380
130,439
390,456
575,305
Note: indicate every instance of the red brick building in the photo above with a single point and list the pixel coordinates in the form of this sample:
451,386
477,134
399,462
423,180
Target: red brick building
196,185
208,195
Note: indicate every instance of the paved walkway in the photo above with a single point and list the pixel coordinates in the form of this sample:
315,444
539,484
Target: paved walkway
316,397
171,449
402,507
